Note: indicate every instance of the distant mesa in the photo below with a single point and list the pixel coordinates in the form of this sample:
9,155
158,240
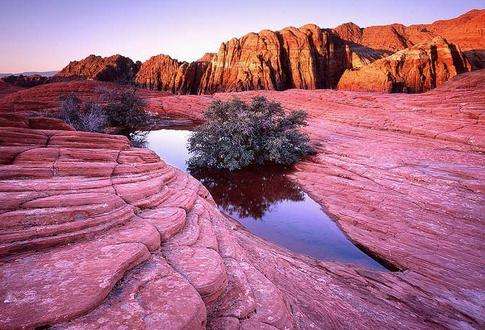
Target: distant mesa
387,58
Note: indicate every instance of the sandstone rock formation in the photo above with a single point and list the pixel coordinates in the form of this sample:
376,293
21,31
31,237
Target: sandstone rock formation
114,68
402,175
47,98
417,69
465,31
25,81
161,72
306,58
147,246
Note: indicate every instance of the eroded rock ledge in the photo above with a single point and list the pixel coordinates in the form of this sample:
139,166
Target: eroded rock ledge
97,234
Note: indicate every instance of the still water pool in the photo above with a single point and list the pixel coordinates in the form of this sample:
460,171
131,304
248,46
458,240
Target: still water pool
267,204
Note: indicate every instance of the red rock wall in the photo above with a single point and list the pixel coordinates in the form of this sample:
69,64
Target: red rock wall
465,31
416,69
115,68
307,58
161,72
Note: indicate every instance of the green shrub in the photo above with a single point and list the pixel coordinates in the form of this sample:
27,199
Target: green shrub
126,112
120,112
236,135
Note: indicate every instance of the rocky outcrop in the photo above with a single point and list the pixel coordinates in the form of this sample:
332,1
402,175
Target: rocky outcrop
401,173
163,73
308,58
26,81
305,58
114,68
98,234
46,99
465,31
417,69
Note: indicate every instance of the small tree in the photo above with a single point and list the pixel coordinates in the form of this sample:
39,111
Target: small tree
126,112
237,135
121,109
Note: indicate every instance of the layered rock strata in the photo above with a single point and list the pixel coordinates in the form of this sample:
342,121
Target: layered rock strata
306,58
400,173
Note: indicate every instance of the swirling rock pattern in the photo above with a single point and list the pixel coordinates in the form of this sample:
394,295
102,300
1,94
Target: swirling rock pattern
95,233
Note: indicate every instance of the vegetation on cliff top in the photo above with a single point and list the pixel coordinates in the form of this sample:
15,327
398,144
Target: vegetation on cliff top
236,135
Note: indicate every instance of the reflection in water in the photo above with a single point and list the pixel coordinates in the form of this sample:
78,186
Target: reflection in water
248,193
267,204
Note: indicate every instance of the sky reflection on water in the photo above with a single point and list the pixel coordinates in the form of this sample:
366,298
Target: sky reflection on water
267,204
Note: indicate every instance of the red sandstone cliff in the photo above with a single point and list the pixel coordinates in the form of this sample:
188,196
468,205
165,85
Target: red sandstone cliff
466,31
307,57
417,69
161,72
115,68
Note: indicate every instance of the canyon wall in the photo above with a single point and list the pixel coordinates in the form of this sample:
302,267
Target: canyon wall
420,68
306,58
466,31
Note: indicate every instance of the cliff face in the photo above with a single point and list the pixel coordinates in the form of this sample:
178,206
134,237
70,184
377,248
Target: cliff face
416,69
307,57
115,68
465,31
161,72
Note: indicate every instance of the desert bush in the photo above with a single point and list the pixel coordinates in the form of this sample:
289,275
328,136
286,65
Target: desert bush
88,117
236,135
126,113
120,112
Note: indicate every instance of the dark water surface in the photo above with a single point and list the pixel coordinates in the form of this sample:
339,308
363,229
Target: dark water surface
267,204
